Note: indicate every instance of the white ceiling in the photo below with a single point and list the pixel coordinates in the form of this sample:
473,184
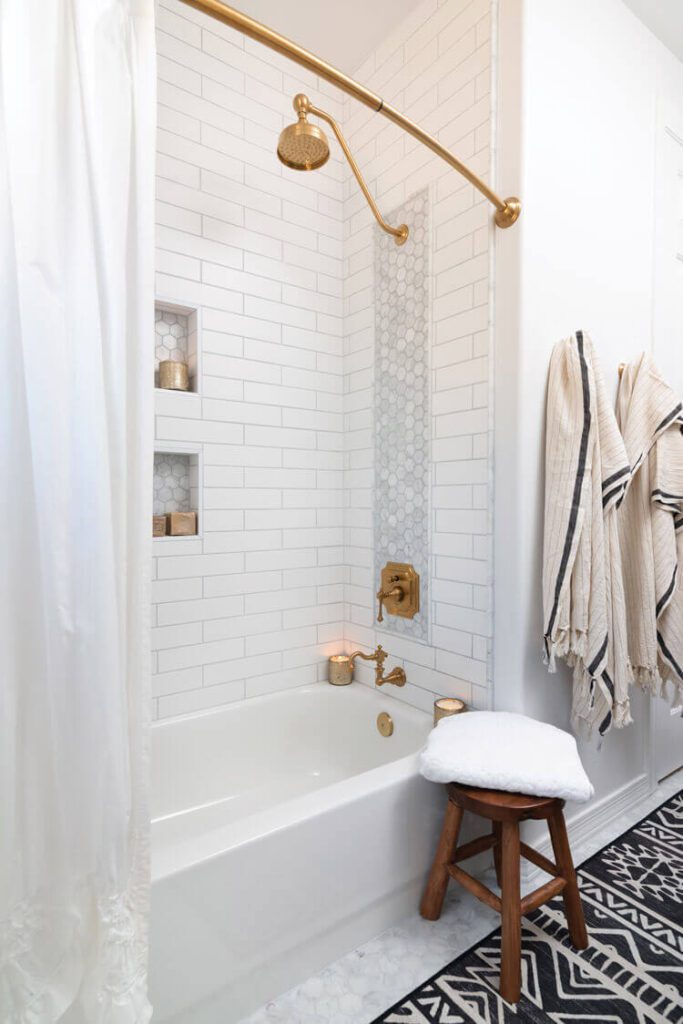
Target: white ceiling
346,33
343,34
664,18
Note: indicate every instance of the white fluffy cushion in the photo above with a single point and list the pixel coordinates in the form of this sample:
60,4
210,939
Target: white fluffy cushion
500,750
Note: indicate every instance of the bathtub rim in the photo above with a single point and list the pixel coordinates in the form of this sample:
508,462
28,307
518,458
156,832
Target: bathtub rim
369,691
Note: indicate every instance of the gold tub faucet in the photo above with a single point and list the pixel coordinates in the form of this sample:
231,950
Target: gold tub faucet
397,675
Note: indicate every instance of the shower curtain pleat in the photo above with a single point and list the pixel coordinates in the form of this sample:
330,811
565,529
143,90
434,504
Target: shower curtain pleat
77,109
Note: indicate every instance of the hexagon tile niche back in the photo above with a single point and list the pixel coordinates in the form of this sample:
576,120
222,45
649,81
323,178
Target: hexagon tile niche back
171,483
171,336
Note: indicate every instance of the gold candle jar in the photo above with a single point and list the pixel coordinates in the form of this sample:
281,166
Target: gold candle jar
444,707
339,670
174,376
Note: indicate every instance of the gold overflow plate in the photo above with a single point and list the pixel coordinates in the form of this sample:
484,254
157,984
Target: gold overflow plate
399,592
385,723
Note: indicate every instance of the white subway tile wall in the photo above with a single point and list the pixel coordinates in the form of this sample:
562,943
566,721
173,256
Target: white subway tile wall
436,68
256,602
279,265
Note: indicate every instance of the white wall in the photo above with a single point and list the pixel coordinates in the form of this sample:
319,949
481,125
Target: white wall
579,86
436,68
255,603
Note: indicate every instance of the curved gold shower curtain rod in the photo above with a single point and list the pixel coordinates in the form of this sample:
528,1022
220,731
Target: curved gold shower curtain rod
507,210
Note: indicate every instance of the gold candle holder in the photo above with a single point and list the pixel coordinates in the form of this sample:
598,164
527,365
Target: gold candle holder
174,376
339,670
444,707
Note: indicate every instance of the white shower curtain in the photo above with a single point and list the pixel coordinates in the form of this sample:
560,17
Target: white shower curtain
77,99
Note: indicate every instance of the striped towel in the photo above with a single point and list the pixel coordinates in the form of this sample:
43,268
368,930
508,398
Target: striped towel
650,415
587,472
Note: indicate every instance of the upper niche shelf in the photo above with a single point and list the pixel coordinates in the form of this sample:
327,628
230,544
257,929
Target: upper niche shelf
176,337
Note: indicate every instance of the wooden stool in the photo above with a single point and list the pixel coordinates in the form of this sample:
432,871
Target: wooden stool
505,811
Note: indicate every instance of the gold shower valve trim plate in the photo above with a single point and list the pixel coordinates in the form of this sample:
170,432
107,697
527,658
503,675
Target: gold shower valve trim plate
399,592
507,210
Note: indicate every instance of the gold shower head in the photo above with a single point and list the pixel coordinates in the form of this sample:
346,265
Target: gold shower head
303,146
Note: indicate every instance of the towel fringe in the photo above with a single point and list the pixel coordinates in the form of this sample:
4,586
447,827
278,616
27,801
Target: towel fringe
622,714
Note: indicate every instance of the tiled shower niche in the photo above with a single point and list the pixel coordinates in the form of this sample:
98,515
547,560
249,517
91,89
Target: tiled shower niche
176,483
176,338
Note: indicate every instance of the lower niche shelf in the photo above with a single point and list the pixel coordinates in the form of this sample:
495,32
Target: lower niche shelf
176,490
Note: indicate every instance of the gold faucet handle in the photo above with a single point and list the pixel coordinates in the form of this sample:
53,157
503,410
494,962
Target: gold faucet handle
382,595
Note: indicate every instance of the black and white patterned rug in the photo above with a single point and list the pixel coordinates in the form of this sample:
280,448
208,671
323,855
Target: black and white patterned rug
632,972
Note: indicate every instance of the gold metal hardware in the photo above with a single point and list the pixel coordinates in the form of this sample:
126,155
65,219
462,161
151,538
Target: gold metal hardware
444,707
303,147
397,675
395,593
621,368
385,723
399,592
506,216
507,210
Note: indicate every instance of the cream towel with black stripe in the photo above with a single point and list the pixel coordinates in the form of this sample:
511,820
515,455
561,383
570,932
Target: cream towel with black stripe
587,472
651,527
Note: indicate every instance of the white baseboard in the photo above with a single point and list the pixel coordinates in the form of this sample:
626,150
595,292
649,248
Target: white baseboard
587,823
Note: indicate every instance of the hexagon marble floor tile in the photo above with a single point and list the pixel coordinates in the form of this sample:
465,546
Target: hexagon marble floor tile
359,986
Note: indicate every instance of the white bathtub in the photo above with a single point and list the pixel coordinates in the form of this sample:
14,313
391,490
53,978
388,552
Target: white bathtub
286,831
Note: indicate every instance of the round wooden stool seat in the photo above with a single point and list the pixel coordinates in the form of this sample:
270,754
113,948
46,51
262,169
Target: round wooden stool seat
506,811
497,805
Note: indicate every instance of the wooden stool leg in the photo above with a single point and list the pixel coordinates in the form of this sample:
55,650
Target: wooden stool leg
437,883
497,851
511,945
573,907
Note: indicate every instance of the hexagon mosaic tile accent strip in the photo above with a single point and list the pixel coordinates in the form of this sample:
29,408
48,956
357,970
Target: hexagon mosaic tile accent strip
171,483
402,412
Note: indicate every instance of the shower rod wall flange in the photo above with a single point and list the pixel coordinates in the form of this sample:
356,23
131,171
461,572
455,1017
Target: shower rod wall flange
507,210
